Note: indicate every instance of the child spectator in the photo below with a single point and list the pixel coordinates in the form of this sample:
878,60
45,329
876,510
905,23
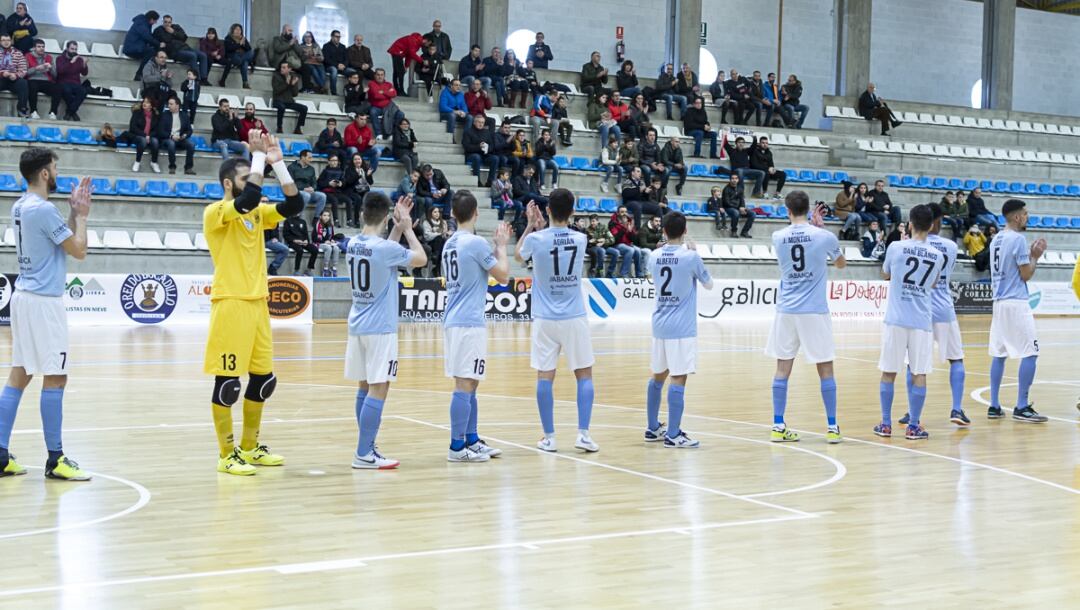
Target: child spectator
611,162
502,191
322,236
295,231
189,95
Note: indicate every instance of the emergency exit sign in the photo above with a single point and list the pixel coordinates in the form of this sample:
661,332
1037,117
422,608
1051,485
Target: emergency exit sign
704,34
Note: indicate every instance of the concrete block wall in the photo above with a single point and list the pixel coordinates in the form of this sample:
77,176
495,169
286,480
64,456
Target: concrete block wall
194,15
1045,58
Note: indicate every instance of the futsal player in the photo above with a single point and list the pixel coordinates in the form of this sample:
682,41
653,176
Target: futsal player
559,322
39,331
371,354
467,260
802,320
946,328
912,267
1012,328
677,269
239,342
1076,291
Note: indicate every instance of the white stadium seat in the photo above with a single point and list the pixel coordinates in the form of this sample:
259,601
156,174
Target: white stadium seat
779,139
832,111
1052,257
956,121
103,49
52,46
122,94
117,239
795,139
742,252
707,253
1001,154
257,101
148,240
178,240
330,108
206,100
983,123
879,146
941,119
93,240
815,142
997,124
9,236
1069,258
851,253
234,100
1066,130
723,252
1057,158
762,252
1042,157
1038,128
970,122
84,49
200,242
849,113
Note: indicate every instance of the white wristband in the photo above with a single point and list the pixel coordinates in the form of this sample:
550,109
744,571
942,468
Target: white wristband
282,172
258,163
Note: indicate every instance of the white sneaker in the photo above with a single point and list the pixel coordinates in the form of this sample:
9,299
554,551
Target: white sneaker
34,115
430,100
155,167
604,186
466,455
481,447
680,442
373,461
652,436
136,166
586,443
52,116
554,185
547,444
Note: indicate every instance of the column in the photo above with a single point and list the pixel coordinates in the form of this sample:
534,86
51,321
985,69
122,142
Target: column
490,21
855,24
999,40
688,35
265,20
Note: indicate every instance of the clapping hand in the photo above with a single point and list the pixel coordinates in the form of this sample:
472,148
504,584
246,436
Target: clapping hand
1037,248
536,219
80,199
502,235
273,150
403,209
690,244
255,142
817,218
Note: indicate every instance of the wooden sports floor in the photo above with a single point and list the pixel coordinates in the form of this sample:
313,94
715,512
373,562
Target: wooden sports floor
983,517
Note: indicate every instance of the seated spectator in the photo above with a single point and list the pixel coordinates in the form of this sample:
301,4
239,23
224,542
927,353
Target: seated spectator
716,90
312,68
139,42
526,188
626,81
739,156
956,214
772,102
715,206
71,69
275,244
977,212
436,232
671,157
523,153
611,162
330,141
213,47
601,244
975,245
629,157
494,71
331,183
157,79
620,113
40,72
296,234
477,101
405,53
360,60
174,131
665,90
502,194
239,54
504,145
189,95
471,67
761,159
598,117
791,93
872,107
649,153
873,242
638,116
428,69
696,125
225,131
286,86
539,53
642,196
593,75
407,186
403,145
355,96
515,82
541,114
22,28
335,57
452,106
303,174
174,42
380,95
649,238
733,202
757,96
545,159
845,210
285,49
657,196
737,98
322,237
528,74
686,83
899,233
357,183
250,123
885,204
360,139
433,186
478,143
142,132
561,114
623,231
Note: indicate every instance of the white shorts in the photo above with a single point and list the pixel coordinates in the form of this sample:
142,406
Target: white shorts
465,349
1012,330
899,344
676,356
810,331
371,358
571,337
39,334
949,344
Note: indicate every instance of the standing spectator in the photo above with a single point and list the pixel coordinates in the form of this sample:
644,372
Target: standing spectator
845,211
250,123
601,244
441,41
403,54
545,159
478,143
214,48
335,57
593,75
360,58
761,159
189,95
312,68
380,95
225,131
882,200
504,145
471,67
610,162
872,107
71,68
873,242
428,69
623,230
174,131
360,138
791,93
540,114
275,244
493,70
715,206
13,74
157,79
285,49
303,174
734,204
20,25
671,156
539,53
40,73
142,129
696,125
956,214
686,83
740,164
626,81
403,145
434,186
523,153
286,86
773,105
330,141
355,96
665,89
322,236
561,114
737,97
296,234
514,71
757,96
238,53
139,42
452,106
331,183
477,102
977,212
598,117
649,152
174,42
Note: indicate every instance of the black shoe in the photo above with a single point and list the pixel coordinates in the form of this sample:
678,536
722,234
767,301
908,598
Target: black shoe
1028,415
746,236
959,418
678,190
189,171
298,132
172,170
905,419
221,82
896,124
205,82
995,413
734,235
271,270
75,116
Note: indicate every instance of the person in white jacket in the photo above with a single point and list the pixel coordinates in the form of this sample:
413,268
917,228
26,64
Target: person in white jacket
610,163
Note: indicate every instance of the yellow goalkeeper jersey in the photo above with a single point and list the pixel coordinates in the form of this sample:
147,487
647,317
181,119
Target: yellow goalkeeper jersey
238,249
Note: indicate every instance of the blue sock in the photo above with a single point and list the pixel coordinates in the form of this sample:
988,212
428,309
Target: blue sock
471,437
956,383
52,418
885,390
916,400
9,406
545,401
652,403
779,400
459,419
997,371
828,395
361,396
675,405
370,418
585,394
1027,377
910,381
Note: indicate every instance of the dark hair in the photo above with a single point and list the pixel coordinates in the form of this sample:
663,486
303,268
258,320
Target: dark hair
230,168
38,41
166,16
626,63
1012,205
425,168
463,206
335,33
151,15
376,207
475,46
675,225
560,204
305,153
797,202
282,63
921,217
212,31
936,211
33,160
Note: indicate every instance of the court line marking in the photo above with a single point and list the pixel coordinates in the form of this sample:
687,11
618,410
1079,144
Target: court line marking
144,499
979,395
350,562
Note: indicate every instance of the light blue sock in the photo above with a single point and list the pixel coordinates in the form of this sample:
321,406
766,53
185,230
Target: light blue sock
585,394
779,400
997,371
361,396
459,419
916,400
910,381
1027,377
956,383
545,400
828,395
9,406
52,417
370,418
675,405
471,437
652,403
885,390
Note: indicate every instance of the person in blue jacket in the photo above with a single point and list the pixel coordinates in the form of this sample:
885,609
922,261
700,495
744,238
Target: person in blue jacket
452,108
139,42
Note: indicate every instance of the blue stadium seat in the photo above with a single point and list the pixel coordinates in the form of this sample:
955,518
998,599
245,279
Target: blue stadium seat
608,205
1000,220
66,184
587,204
562,162
970,184
1048,222
1045,189
1075,223
385,154
1062,222
840,176
792,175
301,145
1002,187
102,186
698,170
581,163
907,181
806,175
1073,190
676,206
274,193
1033,221
213,191
50,135
18,133
781,211
923,182
159,188
823,177
188,190
1031,188
893,180
986,185
1016,188
82,137
769,209
201,145
956,183
9,183
1059,190
939,183
129,187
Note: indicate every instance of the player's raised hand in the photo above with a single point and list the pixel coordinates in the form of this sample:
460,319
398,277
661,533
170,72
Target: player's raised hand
1037,248
502,235
273,149
80,198
532,213
817,218
690,243
255,141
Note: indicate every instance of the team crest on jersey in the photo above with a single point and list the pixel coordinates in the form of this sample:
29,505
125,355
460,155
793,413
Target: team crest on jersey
148,299
250,225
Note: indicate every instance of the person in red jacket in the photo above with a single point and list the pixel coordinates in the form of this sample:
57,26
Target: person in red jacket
404,53
622,229
477,100
379,94
250,122
360,139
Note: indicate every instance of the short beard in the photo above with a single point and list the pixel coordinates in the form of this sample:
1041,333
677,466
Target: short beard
52,183
236,191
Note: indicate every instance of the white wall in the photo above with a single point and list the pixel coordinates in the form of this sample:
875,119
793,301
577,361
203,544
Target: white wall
1046,59
194,15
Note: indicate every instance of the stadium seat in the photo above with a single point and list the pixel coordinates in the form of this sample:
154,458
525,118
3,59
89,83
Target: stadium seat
66,184
587,204
213,191
206,100
124,94
1069,258
93,240
1073,190
1000,220
823,177
907,181
1045,189
893,180
301,145
200,242
955,183
939,183
159,188
1016,188
581,163
103,49
201,145
1062,222
18,133
851,253
692,208
723,252
768,209
188,190
261,105
52,46
102,186
129,187
330,108
562,162
9,236
832,111
698,170
742,252
178,240
791,174
1031,188
1048,222
923,182
840,176
50,135
1059,190
9,184
707,253
781,211
1051,257
1001,187
806,175
1033,221
117,239
608,205
82,137
1074,223
274,193
762,252
147,240
970,184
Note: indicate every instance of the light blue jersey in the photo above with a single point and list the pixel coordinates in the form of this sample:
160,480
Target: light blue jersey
803,252
914,267
466,260
558,255
39,231
373,263
941,300
1008,252
676,271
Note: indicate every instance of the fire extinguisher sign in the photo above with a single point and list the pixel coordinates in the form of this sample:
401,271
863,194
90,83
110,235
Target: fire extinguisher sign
618,32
